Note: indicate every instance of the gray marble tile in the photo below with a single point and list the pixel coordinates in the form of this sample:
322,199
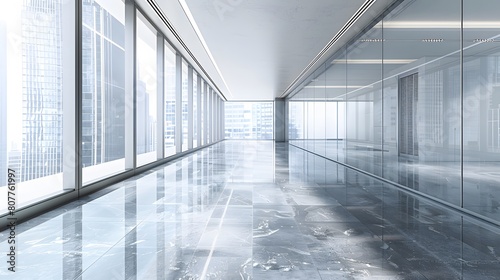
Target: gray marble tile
277,262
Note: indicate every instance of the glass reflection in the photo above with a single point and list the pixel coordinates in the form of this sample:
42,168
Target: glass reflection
481,109
146,91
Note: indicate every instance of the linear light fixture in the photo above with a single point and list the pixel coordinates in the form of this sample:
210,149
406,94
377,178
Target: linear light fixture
341,87
190,17
373,61
439,24
169,26
362,9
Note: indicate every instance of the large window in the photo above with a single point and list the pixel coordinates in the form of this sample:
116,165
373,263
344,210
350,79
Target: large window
248,120
37,97
185,107
203,97
195,110
169,76
103,89
146,92
43,140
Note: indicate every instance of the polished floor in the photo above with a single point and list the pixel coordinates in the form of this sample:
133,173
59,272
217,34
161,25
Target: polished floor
253,210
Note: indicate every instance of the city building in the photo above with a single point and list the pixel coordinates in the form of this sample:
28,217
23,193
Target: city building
146,139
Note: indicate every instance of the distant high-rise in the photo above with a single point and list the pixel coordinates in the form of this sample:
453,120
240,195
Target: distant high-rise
169,122
103,58
3,103
262,120
42,114
245,120
142,108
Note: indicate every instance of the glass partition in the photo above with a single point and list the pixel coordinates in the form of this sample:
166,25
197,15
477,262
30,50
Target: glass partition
481,108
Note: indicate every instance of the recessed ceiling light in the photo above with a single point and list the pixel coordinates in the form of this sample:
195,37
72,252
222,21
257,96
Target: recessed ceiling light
432,40
439,24
373,61
483,40
372,40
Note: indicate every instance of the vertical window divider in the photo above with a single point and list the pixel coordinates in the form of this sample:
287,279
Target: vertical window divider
160,97
130,86
462,104
221,105
216,118
205,117
69,133
78,99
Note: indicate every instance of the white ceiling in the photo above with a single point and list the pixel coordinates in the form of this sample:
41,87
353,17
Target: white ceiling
259,47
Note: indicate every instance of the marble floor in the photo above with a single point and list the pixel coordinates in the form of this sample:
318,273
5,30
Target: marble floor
253,210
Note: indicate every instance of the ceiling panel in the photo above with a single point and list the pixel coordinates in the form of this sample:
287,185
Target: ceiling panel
260,47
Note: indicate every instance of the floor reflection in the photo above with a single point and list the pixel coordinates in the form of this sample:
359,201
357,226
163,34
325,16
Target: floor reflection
254,210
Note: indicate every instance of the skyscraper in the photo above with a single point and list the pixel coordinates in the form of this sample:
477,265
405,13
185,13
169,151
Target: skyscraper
244,120
103,56
3,103
42,89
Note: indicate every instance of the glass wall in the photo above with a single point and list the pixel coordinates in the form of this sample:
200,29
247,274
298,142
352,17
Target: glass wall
481,107
414,101
50,127
37,100
146,91
248,120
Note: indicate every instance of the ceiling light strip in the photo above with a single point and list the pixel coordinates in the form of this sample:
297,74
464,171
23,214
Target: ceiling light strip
190,17
366,5
164,19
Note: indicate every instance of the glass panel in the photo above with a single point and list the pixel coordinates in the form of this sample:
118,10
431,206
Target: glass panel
422,92
335,108
295,122
35,40
103,89
364,102
248,120
195,109
481,108
185,107
146,91
169,77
